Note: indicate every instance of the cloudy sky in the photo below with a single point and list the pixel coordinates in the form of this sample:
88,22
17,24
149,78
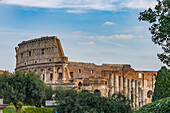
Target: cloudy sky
96,31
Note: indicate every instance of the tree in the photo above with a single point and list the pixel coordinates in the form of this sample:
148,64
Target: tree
24,87
61,93
87,102
162,84
14,88
158,106
35,90
159,17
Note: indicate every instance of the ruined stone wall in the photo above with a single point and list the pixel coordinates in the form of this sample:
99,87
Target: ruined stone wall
83,70
44,56
138,86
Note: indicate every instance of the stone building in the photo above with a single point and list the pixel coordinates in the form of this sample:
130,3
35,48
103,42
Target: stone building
45,57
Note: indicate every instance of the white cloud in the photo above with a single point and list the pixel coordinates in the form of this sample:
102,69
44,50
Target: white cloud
87,43
75,11
123,37
78,6
138,4
109,23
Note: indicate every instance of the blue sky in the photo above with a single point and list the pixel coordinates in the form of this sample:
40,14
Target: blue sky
90,31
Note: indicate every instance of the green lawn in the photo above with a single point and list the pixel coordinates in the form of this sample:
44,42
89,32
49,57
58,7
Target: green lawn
9,110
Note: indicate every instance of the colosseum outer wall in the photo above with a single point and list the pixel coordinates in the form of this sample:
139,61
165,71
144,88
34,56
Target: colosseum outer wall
45,57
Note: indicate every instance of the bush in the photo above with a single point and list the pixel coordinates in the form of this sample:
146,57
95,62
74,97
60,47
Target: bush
37,110
159,106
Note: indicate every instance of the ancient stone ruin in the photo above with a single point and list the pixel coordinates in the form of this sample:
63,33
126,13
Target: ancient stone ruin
45,57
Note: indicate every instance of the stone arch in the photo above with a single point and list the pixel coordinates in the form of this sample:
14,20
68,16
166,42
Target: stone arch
149,93
97,91
79,85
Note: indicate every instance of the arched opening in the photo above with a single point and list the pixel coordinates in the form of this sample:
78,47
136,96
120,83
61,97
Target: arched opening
60,76
79,85
149,94
96,91
79,71
51,76
140,75
72,75
91,71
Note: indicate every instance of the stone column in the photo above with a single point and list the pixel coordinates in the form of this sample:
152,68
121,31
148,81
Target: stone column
45,75
139,94
125,86
133,93
54,74
136,95
68,73
112,88
116,83
121,84
129,88
110,85
143,97
63,72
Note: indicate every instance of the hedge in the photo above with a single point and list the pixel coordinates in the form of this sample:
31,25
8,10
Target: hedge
159,106
37,110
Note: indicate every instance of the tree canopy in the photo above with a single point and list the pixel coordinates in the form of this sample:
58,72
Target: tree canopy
162,84
159,17
88,102
24,87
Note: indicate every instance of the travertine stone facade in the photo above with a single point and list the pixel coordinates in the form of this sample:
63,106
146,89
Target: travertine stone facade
45,56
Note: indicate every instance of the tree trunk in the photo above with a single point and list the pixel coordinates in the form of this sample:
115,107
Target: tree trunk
16,108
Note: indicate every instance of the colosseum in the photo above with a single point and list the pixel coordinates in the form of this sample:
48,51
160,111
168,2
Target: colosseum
45,57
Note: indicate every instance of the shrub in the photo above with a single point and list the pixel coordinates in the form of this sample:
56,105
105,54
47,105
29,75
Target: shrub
19,104
37,110
159,106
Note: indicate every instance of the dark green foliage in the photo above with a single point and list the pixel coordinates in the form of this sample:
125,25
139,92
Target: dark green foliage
37,110
159,106
160,28
61,93
162,84
24,87
49,92
13,87
120,98
87,102
35,90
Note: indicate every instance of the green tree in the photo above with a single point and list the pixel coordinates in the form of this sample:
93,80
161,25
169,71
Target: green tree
35,90
61,93
49,93
87,102
162,84
158,106
159,17
14,88
24,87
